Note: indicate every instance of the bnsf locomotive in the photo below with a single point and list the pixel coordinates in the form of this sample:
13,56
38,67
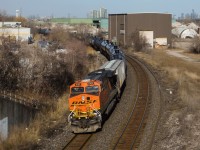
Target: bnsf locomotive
94,97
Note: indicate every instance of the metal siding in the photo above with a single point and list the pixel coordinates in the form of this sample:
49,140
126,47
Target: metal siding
159,23
112,27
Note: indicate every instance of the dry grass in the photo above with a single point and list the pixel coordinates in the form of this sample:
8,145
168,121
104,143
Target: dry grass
192,55
27,137
90,50
186,74
181,127
95,60
22,138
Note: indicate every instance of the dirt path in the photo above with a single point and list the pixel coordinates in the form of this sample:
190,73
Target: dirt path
180,55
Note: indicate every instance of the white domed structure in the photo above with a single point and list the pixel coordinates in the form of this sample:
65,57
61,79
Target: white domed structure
184,33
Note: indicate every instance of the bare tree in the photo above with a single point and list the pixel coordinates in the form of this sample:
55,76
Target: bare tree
43,73
137,41
195,48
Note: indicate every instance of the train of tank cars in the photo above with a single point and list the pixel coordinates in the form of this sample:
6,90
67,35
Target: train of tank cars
93,98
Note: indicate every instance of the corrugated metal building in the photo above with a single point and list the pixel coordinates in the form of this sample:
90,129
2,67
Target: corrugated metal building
152,25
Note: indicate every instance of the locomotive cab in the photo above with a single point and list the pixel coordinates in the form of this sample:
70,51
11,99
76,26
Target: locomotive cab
95,96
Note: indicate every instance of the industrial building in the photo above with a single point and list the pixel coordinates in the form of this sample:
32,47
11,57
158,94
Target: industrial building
14,29
156,27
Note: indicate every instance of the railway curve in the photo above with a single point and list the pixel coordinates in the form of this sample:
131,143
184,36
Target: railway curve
122,139
129,137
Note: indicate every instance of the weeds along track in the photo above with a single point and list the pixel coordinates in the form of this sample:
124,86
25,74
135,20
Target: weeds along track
78,142
130,137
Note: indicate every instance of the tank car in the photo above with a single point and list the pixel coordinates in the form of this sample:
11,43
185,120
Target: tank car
96,43
93,97
118,54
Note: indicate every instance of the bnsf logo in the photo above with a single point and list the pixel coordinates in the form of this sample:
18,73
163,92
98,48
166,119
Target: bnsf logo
83,102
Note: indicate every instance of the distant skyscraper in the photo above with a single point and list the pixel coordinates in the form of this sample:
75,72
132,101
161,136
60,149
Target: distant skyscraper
101,13
182,16
95,12
98,14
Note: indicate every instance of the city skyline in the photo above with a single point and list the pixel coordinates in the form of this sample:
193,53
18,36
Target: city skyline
98,13
80,9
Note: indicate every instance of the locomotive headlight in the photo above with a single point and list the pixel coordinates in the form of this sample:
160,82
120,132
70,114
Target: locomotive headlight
83,98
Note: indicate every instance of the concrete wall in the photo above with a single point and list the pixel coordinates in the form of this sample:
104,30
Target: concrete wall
4,128
17,113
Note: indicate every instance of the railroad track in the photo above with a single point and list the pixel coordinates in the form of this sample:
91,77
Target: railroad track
78,142
132,133
130,137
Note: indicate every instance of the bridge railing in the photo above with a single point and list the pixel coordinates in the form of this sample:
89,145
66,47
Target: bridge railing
33,103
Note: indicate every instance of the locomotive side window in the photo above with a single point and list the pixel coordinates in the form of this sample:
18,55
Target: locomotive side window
77,90
92,89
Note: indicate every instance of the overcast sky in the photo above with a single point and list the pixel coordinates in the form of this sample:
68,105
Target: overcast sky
80,8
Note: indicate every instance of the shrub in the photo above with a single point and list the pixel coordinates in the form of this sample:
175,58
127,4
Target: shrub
196,46
138,42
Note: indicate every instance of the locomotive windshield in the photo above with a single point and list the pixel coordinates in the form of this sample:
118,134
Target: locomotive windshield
77,90
92,89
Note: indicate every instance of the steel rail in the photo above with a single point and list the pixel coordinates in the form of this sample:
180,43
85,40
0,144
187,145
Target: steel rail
160,94
130,133
77,142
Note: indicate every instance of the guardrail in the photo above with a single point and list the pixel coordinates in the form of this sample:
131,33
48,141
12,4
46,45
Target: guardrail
33,103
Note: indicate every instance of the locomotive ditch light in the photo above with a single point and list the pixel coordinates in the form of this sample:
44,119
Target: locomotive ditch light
83,98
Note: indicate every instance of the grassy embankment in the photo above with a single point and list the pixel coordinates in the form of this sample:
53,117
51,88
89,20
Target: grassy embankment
185,73
180,117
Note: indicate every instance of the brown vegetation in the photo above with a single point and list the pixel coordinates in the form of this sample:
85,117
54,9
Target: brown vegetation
43,74
196,46
181,127
5,17
137,42
28,137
